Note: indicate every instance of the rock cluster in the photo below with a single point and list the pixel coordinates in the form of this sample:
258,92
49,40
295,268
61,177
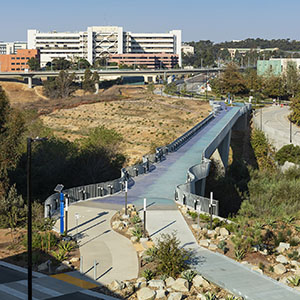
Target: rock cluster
170,288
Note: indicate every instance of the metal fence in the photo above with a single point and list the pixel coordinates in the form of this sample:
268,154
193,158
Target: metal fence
184,193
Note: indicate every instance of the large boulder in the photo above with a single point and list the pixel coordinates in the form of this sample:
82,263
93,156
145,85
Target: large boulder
62,268
282,259
204,243
212,247
175,296
160,294
156,283
116,285
224,232
279,269
199,281
169,281
180,285
146,294
282,247
43,267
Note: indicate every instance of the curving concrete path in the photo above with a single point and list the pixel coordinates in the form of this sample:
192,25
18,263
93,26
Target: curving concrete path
115,255
274,122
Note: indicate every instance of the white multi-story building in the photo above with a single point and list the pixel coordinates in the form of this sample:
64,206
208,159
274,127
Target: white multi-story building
58,44
11,47
101,41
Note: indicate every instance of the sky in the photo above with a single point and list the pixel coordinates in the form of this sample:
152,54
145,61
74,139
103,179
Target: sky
215,20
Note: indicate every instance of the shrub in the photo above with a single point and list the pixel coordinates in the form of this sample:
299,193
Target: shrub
171,259
289,153
210,296
261,266
148,274
137,231
135,219
61,255
294,281
193,214
188,275
66,246
239,254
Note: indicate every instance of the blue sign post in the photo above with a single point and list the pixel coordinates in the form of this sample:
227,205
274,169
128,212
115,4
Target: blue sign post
61,213
59,189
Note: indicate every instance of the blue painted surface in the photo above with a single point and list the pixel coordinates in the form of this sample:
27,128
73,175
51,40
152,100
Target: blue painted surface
159,185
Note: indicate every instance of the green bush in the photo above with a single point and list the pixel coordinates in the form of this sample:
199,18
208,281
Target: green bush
288,153
137,231
135,219
171,259
148,274
188,275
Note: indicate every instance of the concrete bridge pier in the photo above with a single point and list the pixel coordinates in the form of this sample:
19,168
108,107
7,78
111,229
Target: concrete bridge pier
97,88
223,149
29,82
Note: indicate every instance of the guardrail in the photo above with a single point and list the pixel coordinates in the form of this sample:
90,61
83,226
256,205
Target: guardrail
102,189
183,193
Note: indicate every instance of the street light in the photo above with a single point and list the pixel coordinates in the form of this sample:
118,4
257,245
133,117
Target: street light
29,216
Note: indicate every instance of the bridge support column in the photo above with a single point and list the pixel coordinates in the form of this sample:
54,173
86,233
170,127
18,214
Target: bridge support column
29,82
97,88
223,149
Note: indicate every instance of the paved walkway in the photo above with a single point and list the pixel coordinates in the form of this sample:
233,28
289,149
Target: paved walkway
274,122
217,268
98,242
13,286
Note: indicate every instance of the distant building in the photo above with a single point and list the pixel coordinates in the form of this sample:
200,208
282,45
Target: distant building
276,66
243,51
11,47
17,62
149,61
266,67
187,49
102,41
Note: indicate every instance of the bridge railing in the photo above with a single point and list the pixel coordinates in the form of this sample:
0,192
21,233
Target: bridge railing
183,192
102,189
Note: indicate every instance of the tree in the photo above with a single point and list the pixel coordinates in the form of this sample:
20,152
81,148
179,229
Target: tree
61,87
11,134
60,64
230,81
34,64
253,81
88,84
273,86
291,78
295,115
89,81
82,64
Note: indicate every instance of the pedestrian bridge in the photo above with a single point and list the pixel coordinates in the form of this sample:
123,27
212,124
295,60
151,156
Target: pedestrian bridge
176,171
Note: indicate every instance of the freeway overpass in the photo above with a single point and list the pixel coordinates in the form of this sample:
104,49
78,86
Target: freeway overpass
149,75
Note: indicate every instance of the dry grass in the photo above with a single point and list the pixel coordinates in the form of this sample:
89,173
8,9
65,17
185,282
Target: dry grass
19,93
144,120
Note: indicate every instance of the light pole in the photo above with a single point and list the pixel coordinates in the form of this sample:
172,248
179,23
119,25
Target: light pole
291,132
145,207
126,190
29,215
